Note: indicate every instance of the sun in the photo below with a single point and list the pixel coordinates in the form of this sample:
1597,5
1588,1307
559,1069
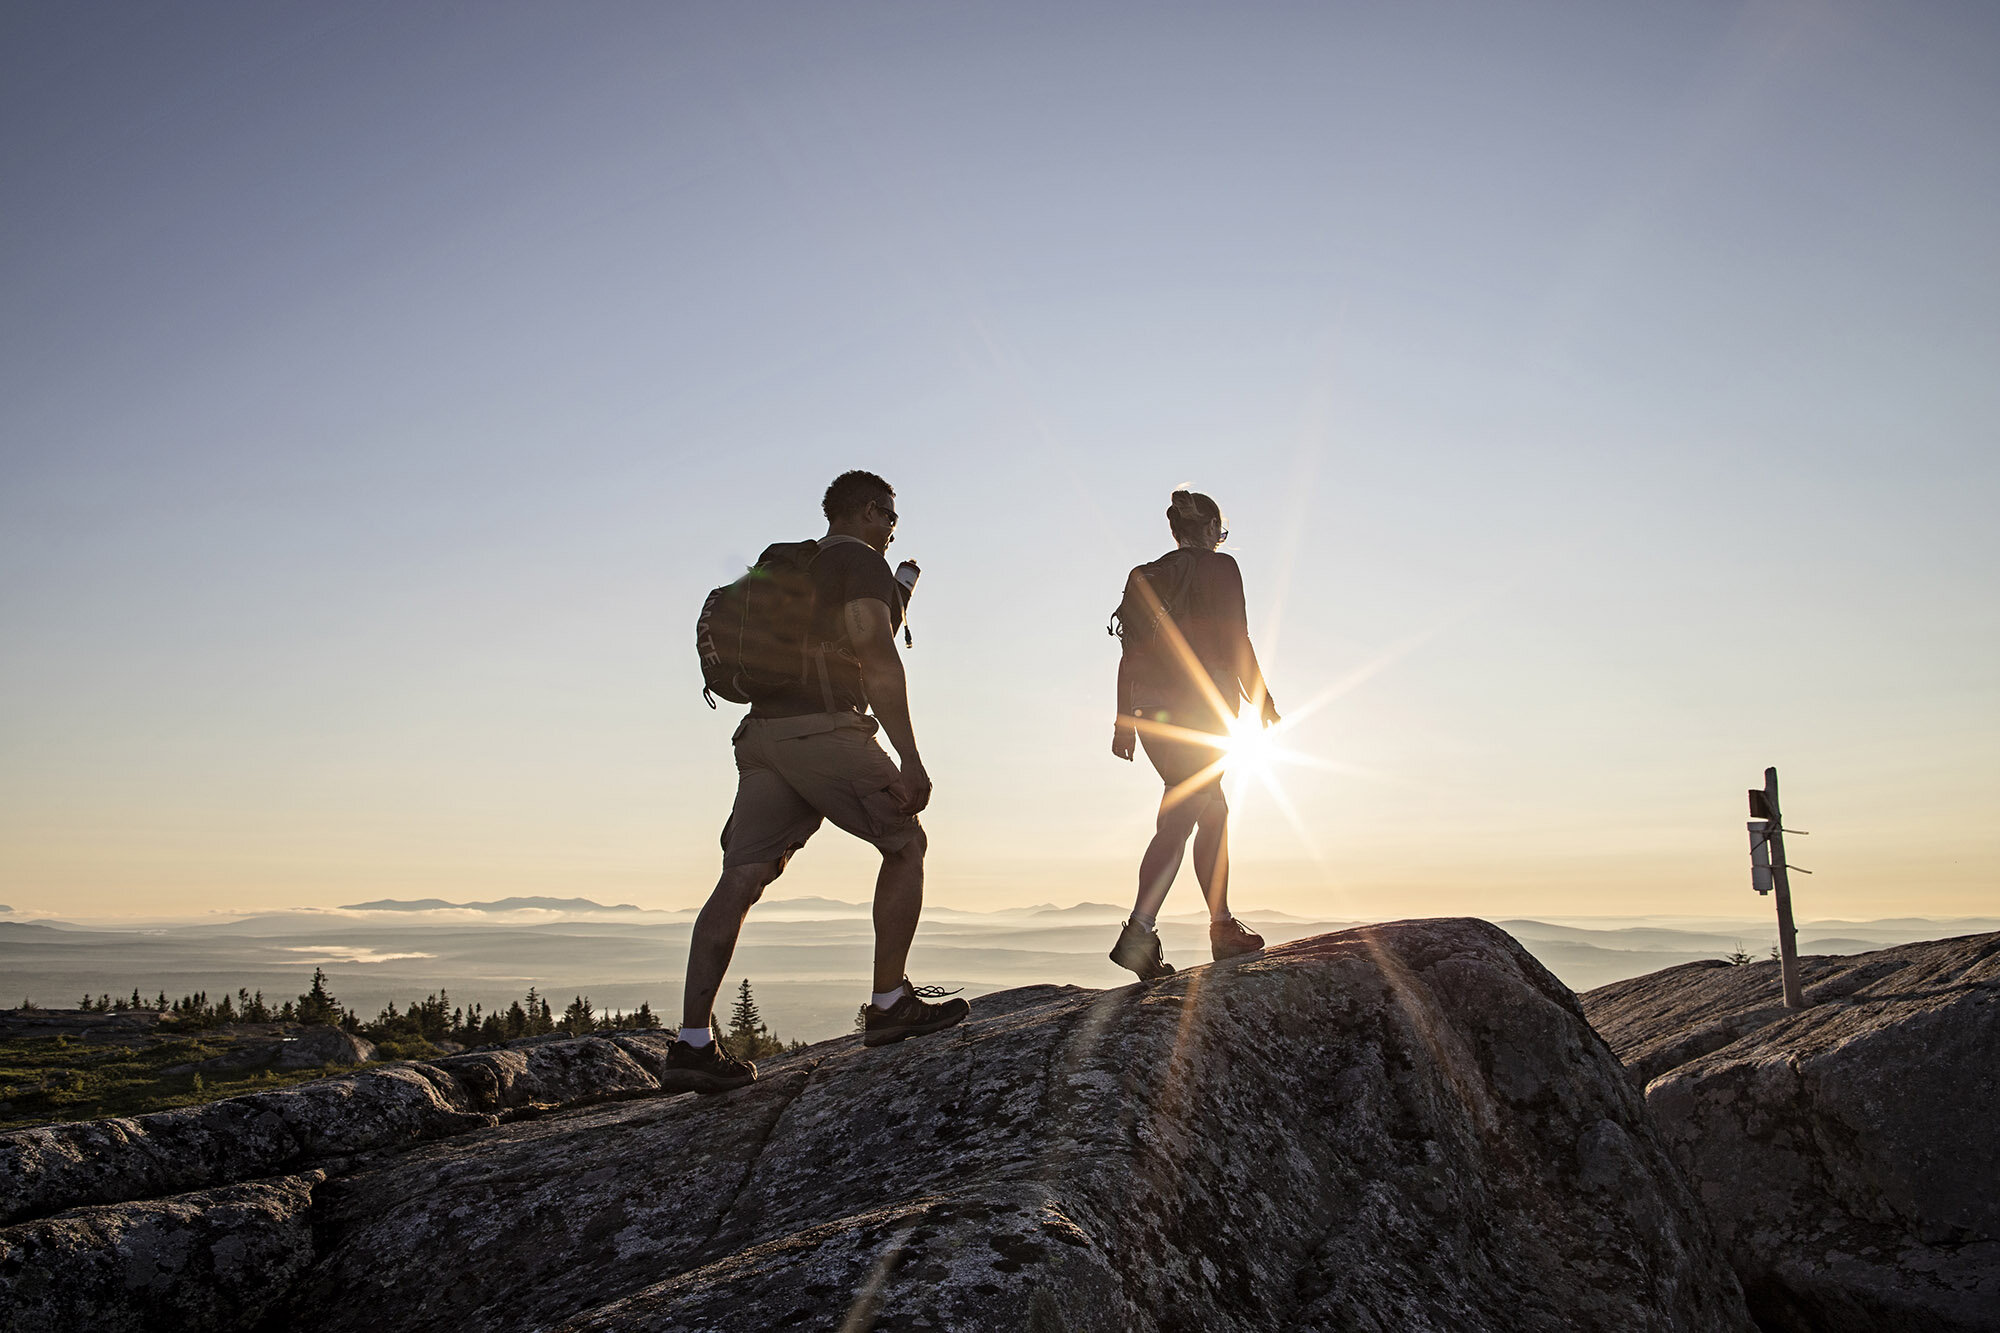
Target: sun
1248,751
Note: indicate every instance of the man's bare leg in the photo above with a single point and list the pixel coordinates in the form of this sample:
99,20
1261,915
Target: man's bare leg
899,900
893,1014
714,940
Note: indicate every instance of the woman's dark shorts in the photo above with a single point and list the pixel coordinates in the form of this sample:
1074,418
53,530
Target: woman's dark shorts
1179,761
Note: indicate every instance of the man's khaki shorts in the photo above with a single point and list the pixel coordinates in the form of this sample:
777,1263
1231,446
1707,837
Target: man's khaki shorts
791,772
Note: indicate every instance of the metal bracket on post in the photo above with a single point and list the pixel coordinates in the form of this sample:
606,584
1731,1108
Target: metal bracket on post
1768,874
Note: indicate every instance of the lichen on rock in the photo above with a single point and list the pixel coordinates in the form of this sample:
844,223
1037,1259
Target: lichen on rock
1846,1152
213,1259
1403,1127
1407,1126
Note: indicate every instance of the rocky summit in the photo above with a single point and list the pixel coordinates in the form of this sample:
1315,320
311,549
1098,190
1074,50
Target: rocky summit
1403,1127
1847,1152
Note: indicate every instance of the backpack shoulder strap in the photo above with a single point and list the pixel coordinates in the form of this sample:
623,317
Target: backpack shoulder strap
1185,562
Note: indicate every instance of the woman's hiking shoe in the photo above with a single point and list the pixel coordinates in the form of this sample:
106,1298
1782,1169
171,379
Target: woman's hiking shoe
911,1016
708,1068
1227,939
1138,950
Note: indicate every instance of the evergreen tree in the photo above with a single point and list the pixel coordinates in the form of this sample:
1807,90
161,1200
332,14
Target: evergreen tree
645,1018
317,1005
517,1021
541,1018
433,1017
745,1023
748,1036
577,1019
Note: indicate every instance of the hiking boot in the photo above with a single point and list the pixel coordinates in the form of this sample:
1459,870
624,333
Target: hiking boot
705,1069
1227,939
1138,950
911,1016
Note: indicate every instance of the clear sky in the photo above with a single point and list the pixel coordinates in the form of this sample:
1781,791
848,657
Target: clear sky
1603,400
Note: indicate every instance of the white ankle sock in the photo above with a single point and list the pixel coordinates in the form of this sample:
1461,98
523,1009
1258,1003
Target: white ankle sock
696,1037
1226,916
886,999
1145,921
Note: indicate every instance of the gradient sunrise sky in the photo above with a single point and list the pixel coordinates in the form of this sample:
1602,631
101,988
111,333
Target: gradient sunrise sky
1603,400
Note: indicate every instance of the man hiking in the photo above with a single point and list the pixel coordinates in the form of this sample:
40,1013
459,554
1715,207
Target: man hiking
806,752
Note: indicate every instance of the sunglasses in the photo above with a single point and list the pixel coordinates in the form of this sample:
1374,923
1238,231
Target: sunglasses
887,512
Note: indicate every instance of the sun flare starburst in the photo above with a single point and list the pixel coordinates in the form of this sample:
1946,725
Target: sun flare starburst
1249,750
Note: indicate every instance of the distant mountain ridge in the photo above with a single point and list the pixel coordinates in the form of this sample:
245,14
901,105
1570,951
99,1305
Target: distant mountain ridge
810,958
502,905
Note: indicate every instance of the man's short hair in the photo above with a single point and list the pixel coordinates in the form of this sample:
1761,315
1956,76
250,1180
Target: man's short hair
851,492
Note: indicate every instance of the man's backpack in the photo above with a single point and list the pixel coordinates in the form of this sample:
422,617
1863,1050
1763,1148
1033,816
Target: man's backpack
754,634
1154,593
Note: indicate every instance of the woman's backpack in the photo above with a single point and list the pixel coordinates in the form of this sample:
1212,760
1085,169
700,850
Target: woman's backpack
1155,593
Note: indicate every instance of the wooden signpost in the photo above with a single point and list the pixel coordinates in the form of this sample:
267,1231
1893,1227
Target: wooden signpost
1768,874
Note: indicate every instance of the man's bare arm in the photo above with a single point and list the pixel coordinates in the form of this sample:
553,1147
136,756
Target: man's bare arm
873,634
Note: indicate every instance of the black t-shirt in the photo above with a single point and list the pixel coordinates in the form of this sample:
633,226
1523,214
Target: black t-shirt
1210,616
845,570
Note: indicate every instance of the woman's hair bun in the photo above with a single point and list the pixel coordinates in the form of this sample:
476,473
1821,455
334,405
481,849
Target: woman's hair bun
1190,511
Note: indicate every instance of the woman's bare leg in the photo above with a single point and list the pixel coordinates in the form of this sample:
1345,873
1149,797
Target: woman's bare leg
1211,855
1162,860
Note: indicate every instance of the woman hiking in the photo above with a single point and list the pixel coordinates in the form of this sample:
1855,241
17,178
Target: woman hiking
1186,667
